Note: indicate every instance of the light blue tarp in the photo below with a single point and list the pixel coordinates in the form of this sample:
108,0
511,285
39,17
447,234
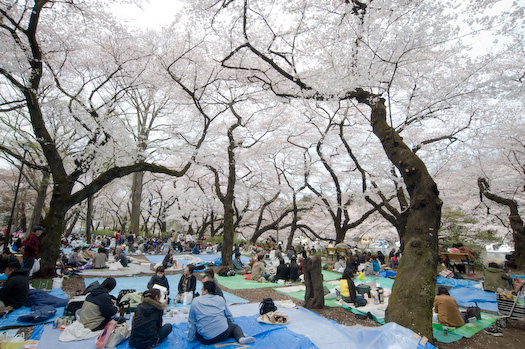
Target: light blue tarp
467,296
305,329
140,283
206,257
12,318
455,282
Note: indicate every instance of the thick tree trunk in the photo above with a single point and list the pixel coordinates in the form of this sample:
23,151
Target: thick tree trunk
411,302
36,217
136,198
228,235
50,240
313,280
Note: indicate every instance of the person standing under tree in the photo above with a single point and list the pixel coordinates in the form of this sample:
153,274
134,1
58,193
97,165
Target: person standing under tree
32,247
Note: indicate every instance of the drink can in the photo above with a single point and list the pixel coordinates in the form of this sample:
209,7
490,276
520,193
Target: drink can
445,330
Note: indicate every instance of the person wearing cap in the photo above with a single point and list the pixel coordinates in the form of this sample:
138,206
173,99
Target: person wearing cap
447,309
210,321
32,247
99,307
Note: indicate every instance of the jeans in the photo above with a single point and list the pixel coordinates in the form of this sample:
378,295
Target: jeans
233,330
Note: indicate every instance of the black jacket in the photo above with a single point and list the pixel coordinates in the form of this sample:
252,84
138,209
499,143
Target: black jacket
163,281
294,271
100,296
190,286
282,272
167,260
14,292
146,324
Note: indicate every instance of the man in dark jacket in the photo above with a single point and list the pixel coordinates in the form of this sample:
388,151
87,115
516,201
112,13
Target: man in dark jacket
32,247
99,307
14,292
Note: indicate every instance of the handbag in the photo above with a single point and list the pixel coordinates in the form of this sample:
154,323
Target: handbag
119,335
474,312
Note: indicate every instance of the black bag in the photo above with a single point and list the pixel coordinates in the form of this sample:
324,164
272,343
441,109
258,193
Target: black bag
266,306
224,271
91,287
474,312
360,301
73,305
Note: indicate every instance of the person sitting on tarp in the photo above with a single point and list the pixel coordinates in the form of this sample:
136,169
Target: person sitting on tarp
495,278
73,258
293,269
7,257
210,321
347,288
15,290
238,266
340,265
187,283
447,309
99,307
283,272
100,259
159,279
259,270
147,330
209,275
168,259
121,257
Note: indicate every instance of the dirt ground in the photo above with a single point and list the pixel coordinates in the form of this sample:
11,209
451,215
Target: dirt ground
513,335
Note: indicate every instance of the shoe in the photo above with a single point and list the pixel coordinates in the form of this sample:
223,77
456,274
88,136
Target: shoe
494,331
246,340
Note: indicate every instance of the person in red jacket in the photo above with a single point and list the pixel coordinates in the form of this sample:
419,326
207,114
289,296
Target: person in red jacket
32,247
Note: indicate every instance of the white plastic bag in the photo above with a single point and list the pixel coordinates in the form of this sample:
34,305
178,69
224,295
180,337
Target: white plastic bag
36,267
163,293
188,297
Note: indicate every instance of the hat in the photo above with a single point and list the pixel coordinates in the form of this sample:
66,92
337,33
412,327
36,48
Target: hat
109,284
38,227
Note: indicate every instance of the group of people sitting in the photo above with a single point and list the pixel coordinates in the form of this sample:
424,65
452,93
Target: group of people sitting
261,272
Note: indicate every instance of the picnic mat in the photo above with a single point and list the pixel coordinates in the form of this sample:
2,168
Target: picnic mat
140,283
238,282
468,296
184,258
12,318
467,330
305,329
456,282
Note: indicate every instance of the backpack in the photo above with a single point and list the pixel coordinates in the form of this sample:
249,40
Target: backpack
122,293
474,312
266,306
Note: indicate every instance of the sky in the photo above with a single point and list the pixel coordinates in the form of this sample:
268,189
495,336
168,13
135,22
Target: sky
154,13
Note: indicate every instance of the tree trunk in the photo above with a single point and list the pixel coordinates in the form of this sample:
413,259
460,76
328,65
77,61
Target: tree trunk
516,223
50,240
411,306
313,280
36,217
89,218
228,235
136,198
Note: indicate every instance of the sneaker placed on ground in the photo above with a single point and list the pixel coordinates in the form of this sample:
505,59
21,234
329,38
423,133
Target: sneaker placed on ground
494,331
246,340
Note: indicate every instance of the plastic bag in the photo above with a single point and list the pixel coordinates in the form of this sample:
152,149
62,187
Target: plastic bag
188,297
105,335
36,267
15,342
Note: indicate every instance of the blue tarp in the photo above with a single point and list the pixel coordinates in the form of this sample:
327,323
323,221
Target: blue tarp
387,274
467,296
206,257
455,282
305,329
12,318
